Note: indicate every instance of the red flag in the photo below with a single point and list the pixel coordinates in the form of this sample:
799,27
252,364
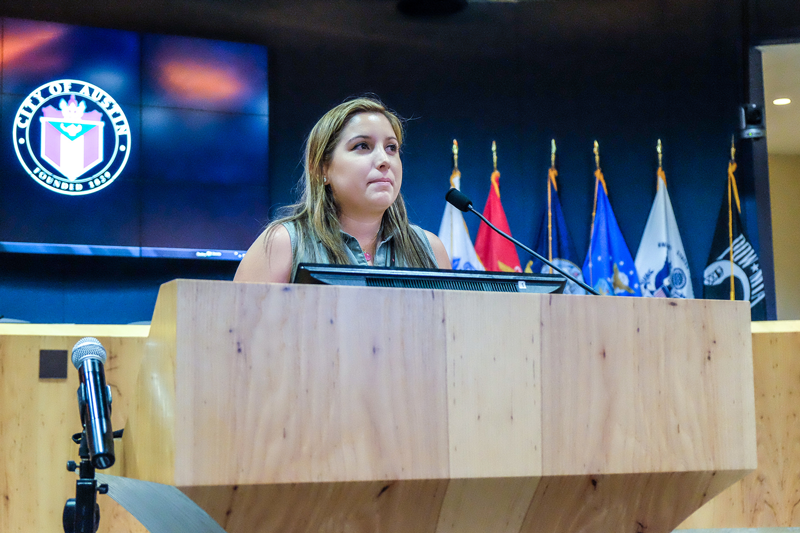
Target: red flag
496,252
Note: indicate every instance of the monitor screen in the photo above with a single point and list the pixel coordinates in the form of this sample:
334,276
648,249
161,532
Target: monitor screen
421,278
124,143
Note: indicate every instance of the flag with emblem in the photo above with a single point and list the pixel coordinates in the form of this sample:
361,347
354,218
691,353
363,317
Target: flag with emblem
553,240
495,252
733,271
453,230
608,267
661,260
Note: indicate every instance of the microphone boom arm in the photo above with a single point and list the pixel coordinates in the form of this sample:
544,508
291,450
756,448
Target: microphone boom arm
534,254
462,203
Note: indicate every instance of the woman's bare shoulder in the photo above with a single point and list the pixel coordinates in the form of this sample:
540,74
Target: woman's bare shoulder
442,259
269,258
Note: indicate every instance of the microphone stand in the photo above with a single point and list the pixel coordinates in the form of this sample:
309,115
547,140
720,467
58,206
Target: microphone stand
534,254
81,513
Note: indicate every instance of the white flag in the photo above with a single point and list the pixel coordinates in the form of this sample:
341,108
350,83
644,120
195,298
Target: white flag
454,234
661,260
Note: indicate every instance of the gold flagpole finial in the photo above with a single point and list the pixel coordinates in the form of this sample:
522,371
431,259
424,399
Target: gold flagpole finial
658,149
494,155
733,148
553,153
597,154
455,154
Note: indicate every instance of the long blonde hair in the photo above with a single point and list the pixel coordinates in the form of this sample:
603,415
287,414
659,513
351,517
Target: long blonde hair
316,214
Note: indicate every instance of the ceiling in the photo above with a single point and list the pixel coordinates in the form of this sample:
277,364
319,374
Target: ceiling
781,65
379,20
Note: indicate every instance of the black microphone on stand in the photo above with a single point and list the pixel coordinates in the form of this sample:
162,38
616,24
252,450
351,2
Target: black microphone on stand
94,401
96,441
461,202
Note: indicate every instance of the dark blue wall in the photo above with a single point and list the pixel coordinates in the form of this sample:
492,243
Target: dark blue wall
623,72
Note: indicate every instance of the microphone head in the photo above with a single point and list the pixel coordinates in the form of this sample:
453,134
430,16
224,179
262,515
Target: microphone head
87,348
458,199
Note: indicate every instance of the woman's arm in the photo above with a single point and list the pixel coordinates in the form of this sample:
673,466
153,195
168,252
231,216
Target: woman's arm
269,258
439,251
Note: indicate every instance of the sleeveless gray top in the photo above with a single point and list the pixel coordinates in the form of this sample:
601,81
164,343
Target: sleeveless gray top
384,252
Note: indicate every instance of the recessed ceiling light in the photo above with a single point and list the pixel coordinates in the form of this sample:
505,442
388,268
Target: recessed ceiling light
782,101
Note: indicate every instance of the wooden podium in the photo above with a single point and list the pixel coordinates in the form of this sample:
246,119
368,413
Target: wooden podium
289,408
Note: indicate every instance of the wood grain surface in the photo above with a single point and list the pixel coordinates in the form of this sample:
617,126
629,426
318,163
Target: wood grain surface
508,396
151,419
306,408
480,505
648,386
354,507
626,503
297,384
770,496
493,385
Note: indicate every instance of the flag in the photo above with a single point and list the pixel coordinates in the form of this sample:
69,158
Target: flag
554,242
661,260
454,234
496,252
608,267
733,271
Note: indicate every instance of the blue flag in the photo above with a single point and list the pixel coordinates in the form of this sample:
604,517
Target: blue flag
554,242
609,266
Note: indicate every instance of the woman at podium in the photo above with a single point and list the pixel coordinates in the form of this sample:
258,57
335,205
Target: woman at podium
351,210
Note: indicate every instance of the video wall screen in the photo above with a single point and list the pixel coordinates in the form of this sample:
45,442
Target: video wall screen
124,143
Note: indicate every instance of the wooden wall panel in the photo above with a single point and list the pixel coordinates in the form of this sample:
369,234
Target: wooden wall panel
150,431
645,392
311,383
355,507
496,505
395,410
494,385
287,386
645,503
769,496
777,361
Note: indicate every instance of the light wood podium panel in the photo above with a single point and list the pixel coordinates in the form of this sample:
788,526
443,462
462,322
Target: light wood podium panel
316,408
770,496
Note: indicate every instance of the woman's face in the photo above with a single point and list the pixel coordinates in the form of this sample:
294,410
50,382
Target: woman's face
365,172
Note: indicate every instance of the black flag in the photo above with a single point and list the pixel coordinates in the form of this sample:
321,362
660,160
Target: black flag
732,271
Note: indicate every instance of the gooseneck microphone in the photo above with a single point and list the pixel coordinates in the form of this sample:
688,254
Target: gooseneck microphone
461,202
94,401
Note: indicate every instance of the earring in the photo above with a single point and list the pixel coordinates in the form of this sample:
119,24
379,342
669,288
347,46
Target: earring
324,179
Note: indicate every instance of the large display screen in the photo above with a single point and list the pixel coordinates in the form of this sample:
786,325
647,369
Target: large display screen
123,143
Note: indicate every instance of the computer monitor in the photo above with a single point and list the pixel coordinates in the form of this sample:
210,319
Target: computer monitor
421,278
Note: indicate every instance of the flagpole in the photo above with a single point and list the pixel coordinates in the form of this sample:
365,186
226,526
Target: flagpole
658,149
551,177
455,155
731,167
594,208
452,179
495,179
